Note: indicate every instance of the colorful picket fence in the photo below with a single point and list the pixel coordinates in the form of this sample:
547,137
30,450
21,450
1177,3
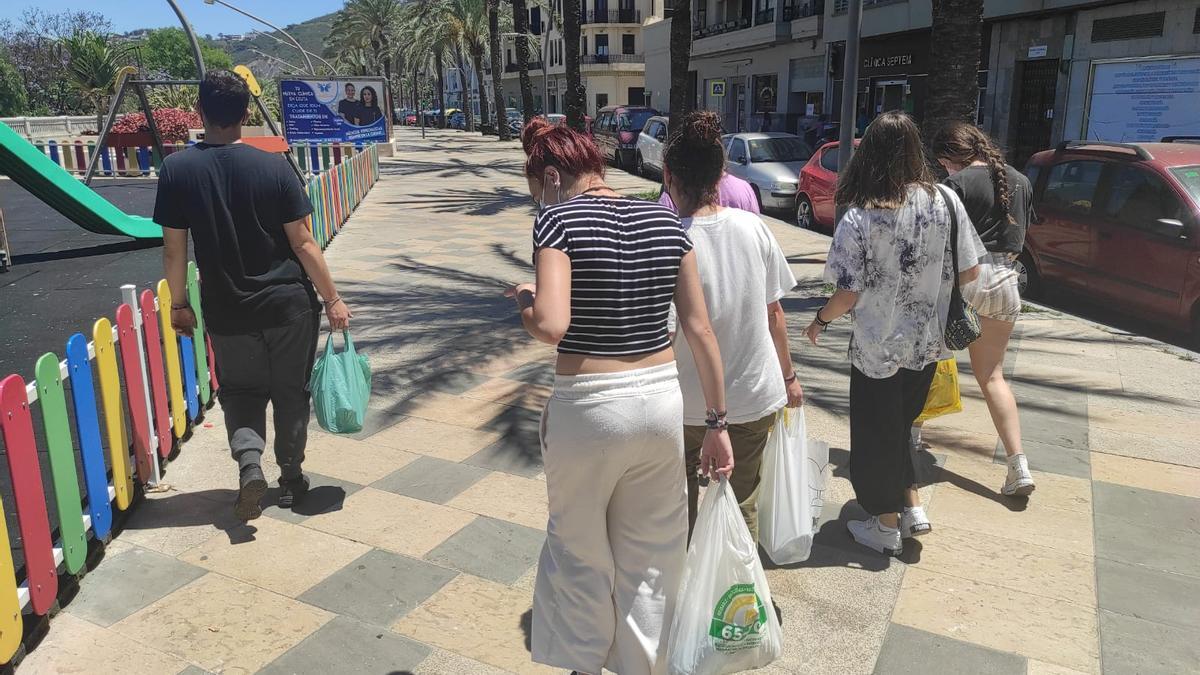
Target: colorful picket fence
135,390
136,161
337,192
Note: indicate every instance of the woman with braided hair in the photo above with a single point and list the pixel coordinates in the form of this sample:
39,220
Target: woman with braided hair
999,200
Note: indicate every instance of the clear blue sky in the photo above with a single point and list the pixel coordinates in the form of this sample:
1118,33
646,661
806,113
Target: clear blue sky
127,15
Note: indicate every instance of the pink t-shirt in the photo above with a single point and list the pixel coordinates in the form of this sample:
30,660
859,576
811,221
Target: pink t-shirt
734,193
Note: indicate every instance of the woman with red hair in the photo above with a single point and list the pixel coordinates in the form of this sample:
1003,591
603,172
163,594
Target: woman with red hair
607,270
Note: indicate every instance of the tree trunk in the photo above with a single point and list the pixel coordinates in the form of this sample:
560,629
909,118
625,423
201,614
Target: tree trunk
441,94
953,89
481,91
493,10
417,92
575,97
681,50
521,26
465,87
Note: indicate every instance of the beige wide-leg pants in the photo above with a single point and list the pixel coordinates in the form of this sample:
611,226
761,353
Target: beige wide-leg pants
617,535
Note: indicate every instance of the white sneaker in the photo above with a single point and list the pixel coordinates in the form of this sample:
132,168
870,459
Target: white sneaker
1019,482
875,535
914,522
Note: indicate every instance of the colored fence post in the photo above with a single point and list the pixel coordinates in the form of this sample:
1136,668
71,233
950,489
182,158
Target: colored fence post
129,295
134,161
187,354
62,461
80,160
314,158
87,428
161,411
114,419
26,473
11,625
325,157
143,160
175,381
193,290
106,161
53,147
135,391
301,157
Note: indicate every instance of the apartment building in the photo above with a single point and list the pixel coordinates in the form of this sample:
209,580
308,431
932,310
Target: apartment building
457,95
612,60
1049,69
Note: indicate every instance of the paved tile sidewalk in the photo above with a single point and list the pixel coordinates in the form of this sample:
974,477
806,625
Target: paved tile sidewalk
417,548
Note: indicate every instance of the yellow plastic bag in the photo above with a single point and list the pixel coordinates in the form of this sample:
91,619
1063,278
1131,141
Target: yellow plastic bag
943,396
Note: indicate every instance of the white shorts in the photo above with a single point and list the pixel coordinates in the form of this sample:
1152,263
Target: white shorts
994,293
616,540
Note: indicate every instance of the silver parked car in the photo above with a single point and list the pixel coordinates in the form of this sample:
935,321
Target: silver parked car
770,162
650,146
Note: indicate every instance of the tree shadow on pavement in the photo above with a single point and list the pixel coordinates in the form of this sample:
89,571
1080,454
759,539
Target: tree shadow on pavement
467,201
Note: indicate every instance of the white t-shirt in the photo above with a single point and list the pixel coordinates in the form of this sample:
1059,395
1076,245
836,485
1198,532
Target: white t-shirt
742,270
898,261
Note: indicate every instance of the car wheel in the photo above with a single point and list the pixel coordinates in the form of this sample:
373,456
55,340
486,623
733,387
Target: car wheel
1029,282
641,165
805,217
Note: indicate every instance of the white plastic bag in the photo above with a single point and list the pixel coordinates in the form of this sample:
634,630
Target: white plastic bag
725,621
792,489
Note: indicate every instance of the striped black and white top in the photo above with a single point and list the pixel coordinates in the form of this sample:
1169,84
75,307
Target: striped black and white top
625,256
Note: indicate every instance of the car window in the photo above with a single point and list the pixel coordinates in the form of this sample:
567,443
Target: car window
1071,186
1189,176
652,129
726,142
1031,172
636,119
829,160
737,150
782,149
1137,198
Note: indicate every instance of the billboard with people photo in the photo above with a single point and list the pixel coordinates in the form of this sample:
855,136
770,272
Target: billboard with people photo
335,111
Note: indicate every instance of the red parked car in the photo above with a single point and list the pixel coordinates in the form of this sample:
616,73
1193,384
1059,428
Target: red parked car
815,209
1120,223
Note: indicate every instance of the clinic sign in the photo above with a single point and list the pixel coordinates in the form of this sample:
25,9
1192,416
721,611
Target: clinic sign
347,110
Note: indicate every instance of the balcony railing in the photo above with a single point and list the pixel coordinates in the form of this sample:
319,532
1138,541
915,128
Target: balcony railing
763,16
611,16
515,68
841,6
801,10
604,59
702,31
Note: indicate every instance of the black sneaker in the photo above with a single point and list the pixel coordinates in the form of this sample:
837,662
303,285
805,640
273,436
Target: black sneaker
293,491
254,486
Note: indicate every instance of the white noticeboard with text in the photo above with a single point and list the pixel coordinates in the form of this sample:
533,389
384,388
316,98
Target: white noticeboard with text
1143,100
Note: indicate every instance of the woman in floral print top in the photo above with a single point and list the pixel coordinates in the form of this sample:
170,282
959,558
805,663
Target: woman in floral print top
891,262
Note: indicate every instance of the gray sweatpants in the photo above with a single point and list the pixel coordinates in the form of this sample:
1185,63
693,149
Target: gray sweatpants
268,365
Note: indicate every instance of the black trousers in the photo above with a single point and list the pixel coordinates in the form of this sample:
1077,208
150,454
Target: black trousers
881,414
273,365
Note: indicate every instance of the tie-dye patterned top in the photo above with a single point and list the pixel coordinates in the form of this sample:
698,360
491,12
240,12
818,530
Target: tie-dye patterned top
898,261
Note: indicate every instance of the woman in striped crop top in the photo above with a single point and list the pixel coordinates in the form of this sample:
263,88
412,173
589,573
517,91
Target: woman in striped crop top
607,270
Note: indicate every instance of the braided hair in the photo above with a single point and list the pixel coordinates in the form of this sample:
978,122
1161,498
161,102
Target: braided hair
963,144
695,157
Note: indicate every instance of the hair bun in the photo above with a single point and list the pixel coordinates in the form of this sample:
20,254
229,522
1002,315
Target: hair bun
701,127
534,129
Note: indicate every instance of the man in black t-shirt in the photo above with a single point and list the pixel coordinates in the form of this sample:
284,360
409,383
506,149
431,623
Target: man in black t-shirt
246,211
348,107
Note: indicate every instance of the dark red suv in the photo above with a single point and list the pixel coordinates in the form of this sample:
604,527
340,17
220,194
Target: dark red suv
1120,223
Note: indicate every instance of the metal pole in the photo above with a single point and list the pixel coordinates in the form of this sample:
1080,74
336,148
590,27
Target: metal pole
191,36
293,66
122,83
849,91
420,107
285,43
311,70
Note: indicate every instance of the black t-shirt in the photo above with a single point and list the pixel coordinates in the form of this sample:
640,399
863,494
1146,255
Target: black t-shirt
349,109
368,115
974,186
235,199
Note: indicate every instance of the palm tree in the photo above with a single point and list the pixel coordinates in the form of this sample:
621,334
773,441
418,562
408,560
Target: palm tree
92,67
369,24
681,51
468,19
493,15
953,92
433,39
521,27
574,103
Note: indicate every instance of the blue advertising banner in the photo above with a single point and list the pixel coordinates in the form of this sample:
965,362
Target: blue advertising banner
334,111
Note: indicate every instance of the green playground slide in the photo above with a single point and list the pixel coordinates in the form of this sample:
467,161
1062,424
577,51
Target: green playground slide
33,170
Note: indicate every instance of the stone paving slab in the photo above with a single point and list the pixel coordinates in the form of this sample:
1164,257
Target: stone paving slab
418,549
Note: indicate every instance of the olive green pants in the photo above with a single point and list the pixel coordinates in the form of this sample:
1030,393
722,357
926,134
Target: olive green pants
748,441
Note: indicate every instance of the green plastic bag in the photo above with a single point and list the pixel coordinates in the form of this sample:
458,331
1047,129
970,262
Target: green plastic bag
341,388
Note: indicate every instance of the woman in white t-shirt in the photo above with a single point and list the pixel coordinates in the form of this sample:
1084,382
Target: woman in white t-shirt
891,261
744,274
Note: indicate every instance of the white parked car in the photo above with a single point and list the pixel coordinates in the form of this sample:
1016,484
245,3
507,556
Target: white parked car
650,144
771,163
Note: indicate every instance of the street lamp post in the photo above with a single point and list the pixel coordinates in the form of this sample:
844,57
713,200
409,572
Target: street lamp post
311,69
849,91
328,65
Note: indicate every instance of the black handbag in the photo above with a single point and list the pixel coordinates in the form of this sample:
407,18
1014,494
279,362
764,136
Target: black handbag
962,321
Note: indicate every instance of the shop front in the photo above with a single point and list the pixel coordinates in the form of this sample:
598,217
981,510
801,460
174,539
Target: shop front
892,73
